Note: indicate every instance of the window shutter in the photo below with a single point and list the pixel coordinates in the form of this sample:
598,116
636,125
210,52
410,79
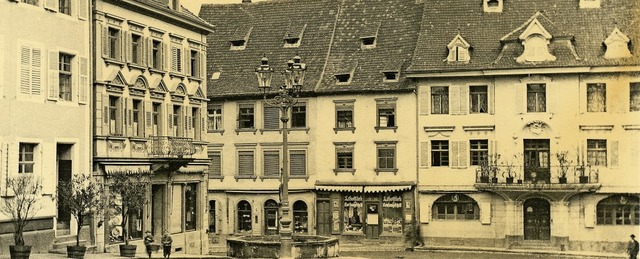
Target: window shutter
54,85
186,54
491,96
36,72
245,163
164,58
98,113
424,154
124,45
51,5
425,212
521,98
149,49
202,63
453,158
462,154
614,154
83,10
169,120
105,125
297,162
25,70
635,153
75,70
454,100
485,213
105,40
425,100
144,49
582,101
215,166
48,166
83,80
464,99
271,162
589,216
129,114
128,40
174,59
452,54
148,108
271,117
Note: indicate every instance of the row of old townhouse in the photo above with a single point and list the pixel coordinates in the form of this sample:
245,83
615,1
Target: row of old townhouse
435,121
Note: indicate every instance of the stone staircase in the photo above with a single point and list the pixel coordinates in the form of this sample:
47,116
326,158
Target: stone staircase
59,246
536,245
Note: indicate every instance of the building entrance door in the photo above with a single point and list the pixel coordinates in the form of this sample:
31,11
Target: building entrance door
65,165
537,219
372,230
157,210
536,160
270,217
323,218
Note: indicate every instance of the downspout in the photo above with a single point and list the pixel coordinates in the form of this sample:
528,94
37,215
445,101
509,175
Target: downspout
416,206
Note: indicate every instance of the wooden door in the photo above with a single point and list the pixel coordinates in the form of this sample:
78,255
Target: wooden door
537,219
536,160
372,229
323,219
64,213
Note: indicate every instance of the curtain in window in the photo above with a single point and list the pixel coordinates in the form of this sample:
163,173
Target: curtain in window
596,98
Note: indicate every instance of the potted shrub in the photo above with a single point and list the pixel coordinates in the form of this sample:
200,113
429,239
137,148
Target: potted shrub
21,208
131,192
483,171
82,196
563,163
493,167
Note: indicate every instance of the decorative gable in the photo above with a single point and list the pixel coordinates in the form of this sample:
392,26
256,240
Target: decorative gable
535,39
617,45
492,6
458,50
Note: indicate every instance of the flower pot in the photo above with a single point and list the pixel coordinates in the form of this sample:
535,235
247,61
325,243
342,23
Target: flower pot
76,251
128,250
584,179
20,252
494,180
562,179
519,181
484,179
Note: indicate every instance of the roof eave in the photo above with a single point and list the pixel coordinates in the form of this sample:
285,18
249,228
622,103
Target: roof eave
198,25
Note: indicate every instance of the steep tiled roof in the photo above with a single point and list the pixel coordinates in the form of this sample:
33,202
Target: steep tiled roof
163,6
330,42
578,33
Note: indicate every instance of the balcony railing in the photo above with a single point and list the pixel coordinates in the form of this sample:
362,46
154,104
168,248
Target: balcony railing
519,175
171,147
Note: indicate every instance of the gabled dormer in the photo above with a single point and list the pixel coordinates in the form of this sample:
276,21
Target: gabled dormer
344,73
589,4
240,38
458,50
536,40
617,45
369,35
293,36
492,6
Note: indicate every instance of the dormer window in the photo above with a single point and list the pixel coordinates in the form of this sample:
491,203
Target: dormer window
237,43
458,50
239,38
293,35
536,44
492,6
368,42
391,76
343,78
617,45
369,34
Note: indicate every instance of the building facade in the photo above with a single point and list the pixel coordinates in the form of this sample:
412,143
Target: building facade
149,115
45,109
528,124
352,133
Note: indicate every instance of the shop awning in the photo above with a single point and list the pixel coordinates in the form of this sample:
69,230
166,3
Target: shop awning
126,169
339,188
192,169
386,188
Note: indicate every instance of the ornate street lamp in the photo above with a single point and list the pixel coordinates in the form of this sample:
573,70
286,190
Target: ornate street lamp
285,98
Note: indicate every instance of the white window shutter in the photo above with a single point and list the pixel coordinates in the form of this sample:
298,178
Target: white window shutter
149,51
521,98
47,158
425,99
51,5
202,63
582,93
83,9
425,212
148,109
464,99
454,157
105,40
83,81
589,216
424,154
36,71
551,97
144,48
462,154
454,100
491,96
53,75
186,54
25,70
127,46
614,153
485,213
165,59
122,46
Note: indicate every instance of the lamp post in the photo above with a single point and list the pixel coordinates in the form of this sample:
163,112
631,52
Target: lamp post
285,98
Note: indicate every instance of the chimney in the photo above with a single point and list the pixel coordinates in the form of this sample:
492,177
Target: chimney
175,5
246,1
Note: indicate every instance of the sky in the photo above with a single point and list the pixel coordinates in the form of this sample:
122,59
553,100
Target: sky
194,5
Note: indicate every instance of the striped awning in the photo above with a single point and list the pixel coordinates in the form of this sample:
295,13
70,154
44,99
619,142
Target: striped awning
126,169
192,169
339,188
386,188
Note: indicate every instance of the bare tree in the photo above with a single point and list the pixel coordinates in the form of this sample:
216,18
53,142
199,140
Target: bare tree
23,205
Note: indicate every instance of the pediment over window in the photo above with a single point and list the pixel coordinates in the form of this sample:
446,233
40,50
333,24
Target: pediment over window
116,82
458,50
535,39
617,45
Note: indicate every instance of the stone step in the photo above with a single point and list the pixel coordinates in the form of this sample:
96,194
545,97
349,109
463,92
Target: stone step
63,245
63,250
65,238
536,245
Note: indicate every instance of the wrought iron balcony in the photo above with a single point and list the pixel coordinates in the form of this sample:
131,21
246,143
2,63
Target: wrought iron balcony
170,147
517,175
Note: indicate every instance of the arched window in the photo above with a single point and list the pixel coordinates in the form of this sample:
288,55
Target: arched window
300,217
455,207
619,210
244,216
271,217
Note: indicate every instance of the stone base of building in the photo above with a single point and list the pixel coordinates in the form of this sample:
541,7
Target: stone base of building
39,240
459,241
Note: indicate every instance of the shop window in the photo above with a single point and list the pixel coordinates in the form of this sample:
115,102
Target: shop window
135,224
300,217
271,217
619,210
244,217
352,213
455,207
392,213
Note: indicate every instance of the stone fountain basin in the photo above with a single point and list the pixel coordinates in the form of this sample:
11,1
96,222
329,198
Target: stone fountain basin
269,247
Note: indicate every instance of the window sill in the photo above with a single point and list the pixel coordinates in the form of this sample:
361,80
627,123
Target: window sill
116,137
219,177
156,71
269,177
110,61
386,128
306,130
352,129
136,66
246,130
394,170
138,139
337,171
176,74
192,78
216,131
262,131
238,177
305,177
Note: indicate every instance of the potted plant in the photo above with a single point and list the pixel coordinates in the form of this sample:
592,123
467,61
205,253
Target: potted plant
484,171
564,163
130,191
509,173
21,208
493,167
83,197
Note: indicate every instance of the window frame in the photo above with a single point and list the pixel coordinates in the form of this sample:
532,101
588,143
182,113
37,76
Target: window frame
440,149
213,170
215,118
64,7
346,164
114,38
595,90
439,98
382,162
156,54
116,119
246,116
478,95
65,70
271,153
136,48
597,152
246,173
190,207
478,151
241,225
137,112
344,107
297,116
26,150
442,206
382,112
293,153
539,96
608,209
634,96
156,114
